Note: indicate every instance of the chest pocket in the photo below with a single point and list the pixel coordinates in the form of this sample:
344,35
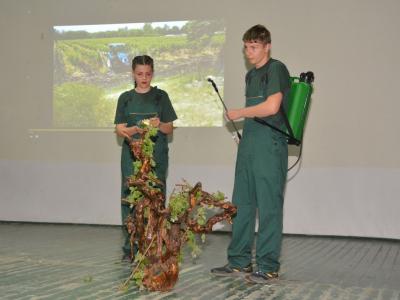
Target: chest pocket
256,88
256,84
140,108
134,118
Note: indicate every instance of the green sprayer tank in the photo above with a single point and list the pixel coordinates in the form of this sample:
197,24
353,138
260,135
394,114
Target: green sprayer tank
299,102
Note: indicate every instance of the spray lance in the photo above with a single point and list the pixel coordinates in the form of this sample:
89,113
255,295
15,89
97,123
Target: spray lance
238,136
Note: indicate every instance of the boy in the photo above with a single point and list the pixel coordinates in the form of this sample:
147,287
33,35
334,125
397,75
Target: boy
261,165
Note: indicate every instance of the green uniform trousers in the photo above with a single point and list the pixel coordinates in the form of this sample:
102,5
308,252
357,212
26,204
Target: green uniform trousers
260,178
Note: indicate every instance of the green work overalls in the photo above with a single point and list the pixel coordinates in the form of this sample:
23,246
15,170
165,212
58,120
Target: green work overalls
132,108
260,175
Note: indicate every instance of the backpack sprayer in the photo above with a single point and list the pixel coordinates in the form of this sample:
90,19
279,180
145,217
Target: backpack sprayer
295,118
298,104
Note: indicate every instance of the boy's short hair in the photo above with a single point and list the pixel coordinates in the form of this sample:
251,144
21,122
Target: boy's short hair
257,33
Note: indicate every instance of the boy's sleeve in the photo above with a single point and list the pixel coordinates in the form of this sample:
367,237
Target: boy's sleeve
278,79
120,116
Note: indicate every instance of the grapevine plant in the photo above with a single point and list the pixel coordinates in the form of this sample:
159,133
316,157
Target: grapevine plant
158,230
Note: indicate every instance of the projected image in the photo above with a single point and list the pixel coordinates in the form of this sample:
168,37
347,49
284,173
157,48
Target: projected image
92,67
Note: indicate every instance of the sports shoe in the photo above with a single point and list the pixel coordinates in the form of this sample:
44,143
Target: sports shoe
262,277
229,271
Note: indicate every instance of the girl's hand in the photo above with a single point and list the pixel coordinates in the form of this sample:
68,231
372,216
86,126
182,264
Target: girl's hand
127,132
155,122
133,130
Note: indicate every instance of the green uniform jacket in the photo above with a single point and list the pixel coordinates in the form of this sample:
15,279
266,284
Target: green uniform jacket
133,107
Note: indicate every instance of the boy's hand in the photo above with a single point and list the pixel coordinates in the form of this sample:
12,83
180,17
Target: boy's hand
233,114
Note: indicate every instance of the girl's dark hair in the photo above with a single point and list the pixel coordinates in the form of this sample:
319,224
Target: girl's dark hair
257,33
142,60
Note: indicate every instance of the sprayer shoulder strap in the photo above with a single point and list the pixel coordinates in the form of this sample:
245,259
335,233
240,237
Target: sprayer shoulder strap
285,119
281,109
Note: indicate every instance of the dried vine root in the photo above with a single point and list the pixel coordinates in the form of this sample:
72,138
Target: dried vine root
159,231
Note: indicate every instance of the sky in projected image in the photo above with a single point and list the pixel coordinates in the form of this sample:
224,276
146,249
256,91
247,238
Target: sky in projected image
92,67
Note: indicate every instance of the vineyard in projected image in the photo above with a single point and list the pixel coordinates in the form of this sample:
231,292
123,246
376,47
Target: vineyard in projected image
92,67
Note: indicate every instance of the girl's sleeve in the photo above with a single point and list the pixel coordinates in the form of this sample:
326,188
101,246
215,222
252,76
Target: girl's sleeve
120,116
167,110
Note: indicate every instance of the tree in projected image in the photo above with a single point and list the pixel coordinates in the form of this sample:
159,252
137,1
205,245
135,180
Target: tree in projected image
80,105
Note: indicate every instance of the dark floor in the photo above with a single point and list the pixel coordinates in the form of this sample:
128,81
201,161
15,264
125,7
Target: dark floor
44,261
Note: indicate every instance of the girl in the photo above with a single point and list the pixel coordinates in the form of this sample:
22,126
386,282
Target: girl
142,102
